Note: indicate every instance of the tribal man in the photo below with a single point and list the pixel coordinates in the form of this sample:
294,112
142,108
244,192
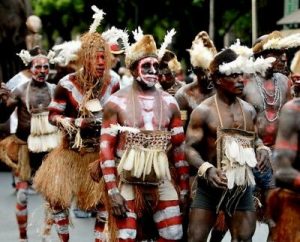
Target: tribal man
169,67
34,136
284,203
140,124
221,144
77,111
191,95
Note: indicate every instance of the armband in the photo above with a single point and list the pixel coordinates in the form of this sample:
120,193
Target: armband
203,168
183,114
263,147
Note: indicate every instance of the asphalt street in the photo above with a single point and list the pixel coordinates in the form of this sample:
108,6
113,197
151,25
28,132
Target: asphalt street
81,231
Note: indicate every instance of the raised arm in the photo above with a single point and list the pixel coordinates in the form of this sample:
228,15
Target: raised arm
286,147
8,102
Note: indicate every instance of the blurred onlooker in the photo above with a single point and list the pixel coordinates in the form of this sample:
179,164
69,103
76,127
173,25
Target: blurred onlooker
34,26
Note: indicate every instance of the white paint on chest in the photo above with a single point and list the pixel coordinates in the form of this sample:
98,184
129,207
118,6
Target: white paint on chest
147,103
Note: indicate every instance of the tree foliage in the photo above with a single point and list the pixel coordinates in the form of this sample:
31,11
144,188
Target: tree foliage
66,18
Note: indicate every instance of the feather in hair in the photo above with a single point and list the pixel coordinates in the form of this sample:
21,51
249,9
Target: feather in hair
137,34
241,49
98,17
260,65
272,44
66,52
167,41
290,41
113,34
25,56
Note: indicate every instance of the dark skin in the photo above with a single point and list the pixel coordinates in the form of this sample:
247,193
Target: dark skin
191,95
202,130
168,81
39,97
287,146
267,130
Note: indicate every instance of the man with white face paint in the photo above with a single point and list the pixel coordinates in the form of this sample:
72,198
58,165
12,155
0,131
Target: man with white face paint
34,136
140,124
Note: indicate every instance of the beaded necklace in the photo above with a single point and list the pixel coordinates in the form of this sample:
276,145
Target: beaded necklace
270,99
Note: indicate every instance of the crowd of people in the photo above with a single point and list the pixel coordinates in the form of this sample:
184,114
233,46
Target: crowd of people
155,158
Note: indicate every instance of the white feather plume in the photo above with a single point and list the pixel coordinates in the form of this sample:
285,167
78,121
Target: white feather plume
260,65
290,41
118,127
66,52
98,17
137,34
125,40
167,41
272,44
113,34
25,56
241,49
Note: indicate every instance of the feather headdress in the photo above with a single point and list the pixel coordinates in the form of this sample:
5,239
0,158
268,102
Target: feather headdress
167,41
290,41
66,52
145,46
112,36
202,51
26,57
98,17
268,42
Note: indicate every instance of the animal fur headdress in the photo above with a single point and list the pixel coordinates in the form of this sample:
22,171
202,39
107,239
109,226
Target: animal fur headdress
202,51
145,46
265,43
170,61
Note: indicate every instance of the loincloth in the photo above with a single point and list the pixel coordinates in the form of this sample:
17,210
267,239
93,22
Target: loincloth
64,175
145,160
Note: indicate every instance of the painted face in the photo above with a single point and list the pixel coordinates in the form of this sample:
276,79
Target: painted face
166,78
98,65
233,84
40,69
280,64
148,71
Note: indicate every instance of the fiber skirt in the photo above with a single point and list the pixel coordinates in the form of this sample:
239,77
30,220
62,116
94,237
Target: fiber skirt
64,176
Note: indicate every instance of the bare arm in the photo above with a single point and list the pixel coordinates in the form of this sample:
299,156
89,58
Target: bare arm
286,147
194,136
8,102
107,159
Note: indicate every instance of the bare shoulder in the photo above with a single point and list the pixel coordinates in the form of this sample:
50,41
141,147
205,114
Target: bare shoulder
203,109
292,107
248,107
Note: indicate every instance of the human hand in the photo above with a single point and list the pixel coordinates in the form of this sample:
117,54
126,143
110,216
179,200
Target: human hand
90,122
118,205
263,158
5,93
216,178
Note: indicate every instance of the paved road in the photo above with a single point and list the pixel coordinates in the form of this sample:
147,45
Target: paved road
82,231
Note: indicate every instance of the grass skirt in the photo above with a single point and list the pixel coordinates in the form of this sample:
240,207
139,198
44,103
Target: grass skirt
64,176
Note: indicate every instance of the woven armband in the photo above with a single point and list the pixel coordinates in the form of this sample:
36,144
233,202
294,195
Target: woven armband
183,114
263,147
203,168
